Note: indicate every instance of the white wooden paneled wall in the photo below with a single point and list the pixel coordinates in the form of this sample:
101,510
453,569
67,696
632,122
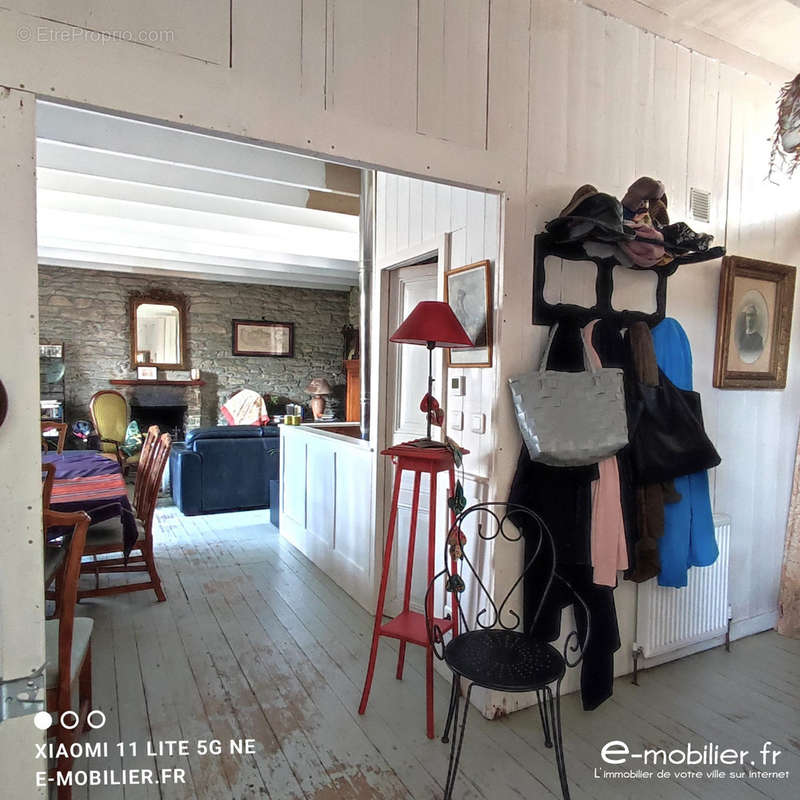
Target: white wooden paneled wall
410,212
610,102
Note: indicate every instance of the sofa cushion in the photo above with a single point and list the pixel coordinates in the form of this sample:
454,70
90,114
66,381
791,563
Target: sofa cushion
224,432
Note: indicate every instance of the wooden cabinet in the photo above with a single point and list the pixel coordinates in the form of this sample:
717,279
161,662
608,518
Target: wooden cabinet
352,369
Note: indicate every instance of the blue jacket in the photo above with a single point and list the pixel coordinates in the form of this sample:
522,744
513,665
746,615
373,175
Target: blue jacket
688,539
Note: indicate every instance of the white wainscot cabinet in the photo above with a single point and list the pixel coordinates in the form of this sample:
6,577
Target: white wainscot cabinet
327,505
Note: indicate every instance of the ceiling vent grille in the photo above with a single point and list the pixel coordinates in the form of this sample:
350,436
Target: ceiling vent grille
700,204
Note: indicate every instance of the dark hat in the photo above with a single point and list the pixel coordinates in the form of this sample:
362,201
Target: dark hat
590,214
642,190
581,193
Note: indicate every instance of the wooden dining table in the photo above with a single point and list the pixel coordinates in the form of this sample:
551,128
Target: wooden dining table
88,481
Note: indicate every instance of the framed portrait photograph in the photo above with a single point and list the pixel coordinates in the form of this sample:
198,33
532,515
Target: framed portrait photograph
467,291
754,323
261,338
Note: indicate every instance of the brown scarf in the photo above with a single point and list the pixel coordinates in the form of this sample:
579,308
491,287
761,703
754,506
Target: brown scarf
650,498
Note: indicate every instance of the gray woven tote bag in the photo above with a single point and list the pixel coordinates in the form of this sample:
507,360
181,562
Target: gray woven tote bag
570,419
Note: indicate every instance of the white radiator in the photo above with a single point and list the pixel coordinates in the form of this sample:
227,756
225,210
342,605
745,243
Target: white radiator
669,620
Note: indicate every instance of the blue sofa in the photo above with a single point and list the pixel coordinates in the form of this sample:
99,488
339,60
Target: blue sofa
224,468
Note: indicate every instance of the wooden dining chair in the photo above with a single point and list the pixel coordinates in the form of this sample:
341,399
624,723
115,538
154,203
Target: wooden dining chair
105,538
53,553
61,427
68,647
48,477
153,432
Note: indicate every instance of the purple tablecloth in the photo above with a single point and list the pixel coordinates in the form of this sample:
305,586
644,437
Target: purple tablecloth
80,464
84,483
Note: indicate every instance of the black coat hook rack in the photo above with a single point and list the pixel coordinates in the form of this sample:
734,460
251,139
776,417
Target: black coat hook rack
545,313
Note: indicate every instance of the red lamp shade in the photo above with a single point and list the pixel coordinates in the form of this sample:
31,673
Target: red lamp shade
432,321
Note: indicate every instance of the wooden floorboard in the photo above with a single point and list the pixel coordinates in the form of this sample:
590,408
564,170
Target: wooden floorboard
255,642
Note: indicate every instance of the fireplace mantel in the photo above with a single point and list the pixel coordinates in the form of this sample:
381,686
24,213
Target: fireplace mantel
137,382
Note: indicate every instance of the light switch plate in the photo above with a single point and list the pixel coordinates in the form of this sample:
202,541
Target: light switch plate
456,421
458,386
478,423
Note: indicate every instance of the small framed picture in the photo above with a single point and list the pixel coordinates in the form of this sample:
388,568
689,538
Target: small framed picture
146,373
51,351
467,291
754,323
260,338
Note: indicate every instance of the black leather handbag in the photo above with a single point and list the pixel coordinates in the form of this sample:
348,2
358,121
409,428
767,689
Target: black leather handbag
668,438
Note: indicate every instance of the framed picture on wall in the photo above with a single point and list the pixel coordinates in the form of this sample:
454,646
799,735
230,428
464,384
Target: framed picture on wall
262,338
467,290
754,323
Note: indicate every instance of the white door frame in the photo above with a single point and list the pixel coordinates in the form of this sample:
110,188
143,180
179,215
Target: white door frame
21,587
439,248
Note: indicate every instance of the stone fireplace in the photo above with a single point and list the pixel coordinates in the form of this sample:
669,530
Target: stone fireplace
175,406
170,419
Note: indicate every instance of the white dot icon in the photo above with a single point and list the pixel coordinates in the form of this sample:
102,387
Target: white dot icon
42,720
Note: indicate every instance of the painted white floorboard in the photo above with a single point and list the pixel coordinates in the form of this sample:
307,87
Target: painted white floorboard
255,642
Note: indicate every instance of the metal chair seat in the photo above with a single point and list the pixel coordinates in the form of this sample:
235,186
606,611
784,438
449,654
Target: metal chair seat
507,661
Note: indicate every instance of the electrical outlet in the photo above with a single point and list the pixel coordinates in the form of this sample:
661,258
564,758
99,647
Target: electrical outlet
448,612
456,421
478,423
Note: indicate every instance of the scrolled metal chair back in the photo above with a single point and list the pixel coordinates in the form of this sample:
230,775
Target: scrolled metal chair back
497,521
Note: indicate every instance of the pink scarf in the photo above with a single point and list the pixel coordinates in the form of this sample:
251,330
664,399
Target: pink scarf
609,552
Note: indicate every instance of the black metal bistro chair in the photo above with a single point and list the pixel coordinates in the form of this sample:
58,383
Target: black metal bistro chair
495,652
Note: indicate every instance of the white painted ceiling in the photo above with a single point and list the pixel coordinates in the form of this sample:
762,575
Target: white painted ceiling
769,29
116,193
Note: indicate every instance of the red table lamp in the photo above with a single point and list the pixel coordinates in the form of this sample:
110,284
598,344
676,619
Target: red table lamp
432,324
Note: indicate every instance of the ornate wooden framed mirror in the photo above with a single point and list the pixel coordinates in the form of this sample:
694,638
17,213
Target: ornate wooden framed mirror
158,331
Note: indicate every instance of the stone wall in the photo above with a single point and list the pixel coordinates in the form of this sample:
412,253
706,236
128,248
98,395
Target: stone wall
354,307
88,311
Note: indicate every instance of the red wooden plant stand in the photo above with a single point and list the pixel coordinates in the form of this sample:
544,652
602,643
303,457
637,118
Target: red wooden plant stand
409,626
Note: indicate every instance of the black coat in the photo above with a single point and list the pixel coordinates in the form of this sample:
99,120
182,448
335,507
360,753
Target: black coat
562,497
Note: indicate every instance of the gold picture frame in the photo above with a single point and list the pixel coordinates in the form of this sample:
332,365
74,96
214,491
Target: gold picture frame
467,290
253,337
754,324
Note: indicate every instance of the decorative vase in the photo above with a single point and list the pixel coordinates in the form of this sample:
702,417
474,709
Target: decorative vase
318,406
